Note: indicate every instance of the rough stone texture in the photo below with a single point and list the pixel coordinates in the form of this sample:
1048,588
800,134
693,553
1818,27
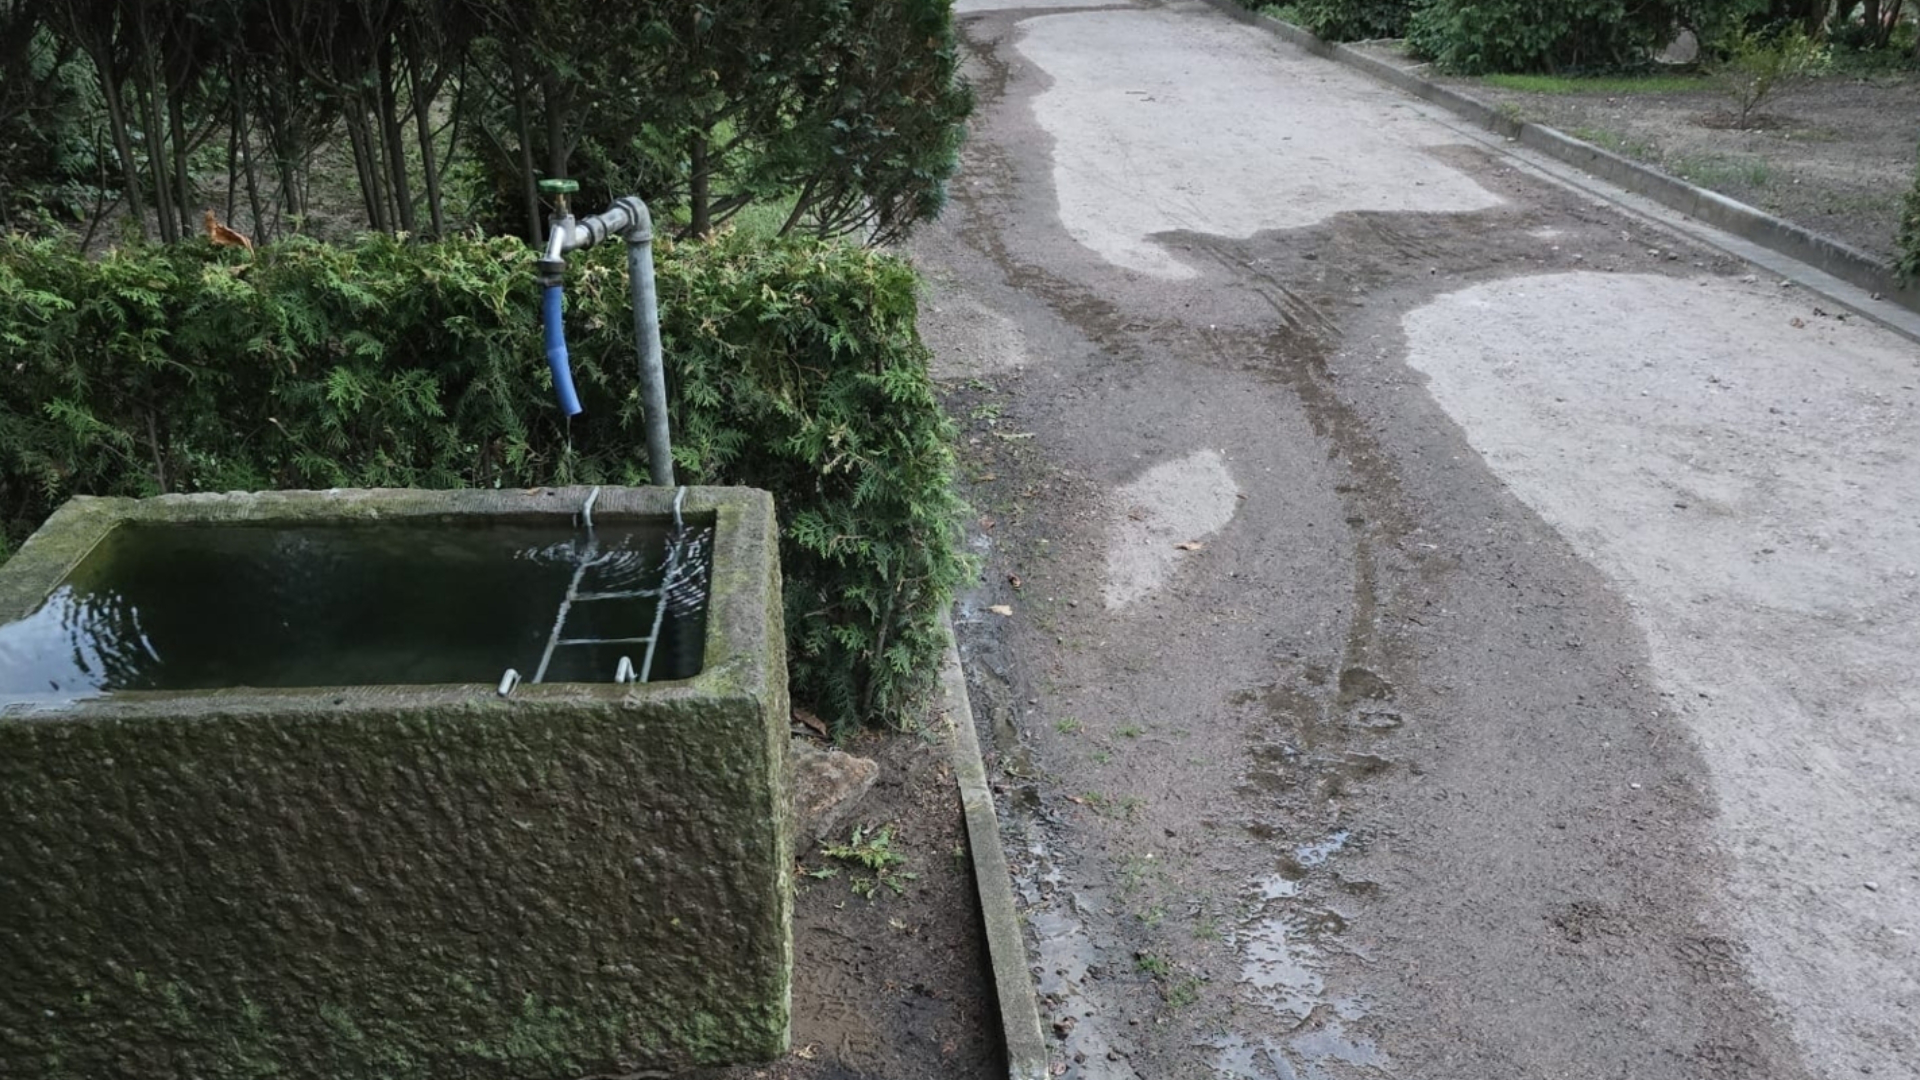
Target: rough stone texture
402,882
827,785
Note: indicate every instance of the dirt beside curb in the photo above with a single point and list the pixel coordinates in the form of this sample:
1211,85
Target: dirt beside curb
895,985
1836,157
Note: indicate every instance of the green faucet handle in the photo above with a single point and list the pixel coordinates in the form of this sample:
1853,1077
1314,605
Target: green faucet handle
559,187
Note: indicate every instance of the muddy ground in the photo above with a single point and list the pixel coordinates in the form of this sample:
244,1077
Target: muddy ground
893,986
1453,622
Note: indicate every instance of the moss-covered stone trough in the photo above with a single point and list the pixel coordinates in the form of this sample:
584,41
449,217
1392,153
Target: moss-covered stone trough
401,881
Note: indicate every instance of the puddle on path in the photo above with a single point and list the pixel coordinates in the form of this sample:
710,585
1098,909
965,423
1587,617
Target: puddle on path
1285,949
1315,735
1087,1032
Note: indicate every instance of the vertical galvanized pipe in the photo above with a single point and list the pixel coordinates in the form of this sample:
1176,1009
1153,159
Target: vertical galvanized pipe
646,327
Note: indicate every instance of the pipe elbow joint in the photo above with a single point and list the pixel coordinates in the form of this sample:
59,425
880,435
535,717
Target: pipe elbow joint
639,228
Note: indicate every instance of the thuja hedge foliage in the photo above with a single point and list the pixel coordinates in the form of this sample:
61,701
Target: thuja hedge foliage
793,367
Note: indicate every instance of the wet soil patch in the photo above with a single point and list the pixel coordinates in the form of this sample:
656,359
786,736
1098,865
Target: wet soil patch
892,986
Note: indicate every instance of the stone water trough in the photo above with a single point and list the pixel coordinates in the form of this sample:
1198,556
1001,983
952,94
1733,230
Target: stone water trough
266,811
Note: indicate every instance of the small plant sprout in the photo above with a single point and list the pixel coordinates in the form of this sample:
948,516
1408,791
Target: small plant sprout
871,850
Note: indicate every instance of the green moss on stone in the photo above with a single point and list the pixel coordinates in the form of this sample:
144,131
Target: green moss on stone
405,883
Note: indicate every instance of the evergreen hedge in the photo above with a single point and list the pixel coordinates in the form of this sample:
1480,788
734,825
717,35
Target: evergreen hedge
1475,37
1354,20
793,367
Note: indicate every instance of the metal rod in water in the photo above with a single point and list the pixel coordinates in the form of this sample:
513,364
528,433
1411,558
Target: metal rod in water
566,605
669,575
631,594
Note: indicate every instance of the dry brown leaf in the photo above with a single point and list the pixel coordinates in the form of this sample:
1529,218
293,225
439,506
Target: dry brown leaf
1001,609
1014,580
811,721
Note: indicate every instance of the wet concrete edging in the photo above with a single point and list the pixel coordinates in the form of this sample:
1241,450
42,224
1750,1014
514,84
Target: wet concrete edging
999,917
1730,215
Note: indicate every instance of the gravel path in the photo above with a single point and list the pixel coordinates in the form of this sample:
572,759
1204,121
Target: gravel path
1457,630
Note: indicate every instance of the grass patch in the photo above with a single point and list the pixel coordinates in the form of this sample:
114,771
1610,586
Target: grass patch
1713,171
1625,146
1599,84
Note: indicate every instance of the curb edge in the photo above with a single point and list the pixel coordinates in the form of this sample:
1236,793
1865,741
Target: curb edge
999,916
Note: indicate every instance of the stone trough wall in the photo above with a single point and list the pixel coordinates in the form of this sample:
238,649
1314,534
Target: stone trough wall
402,881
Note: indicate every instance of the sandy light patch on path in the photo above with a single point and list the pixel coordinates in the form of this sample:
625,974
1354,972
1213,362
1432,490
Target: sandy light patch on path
1172,504
1197,131
1748,472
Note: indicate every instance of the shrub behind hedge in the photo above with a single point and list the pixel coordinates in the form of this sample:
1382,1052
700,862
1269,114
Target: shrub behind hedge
1479,36
1355,20
793,367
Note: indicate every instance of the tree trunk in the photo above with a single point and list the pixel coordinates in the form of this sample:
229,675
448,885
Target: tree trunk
423,98
155,136
122,140
1884,34
367,165
699,187
283,144
182,183
233,161
555,100
523,125
147,87
251,172
390,135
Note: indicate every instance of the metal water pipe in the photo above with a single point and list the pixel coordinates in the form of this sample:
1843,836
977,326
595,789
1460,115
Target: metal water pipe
628,219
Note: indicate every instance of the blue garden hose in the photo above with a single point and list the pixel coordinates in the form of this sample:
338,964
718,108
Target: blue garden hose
556,333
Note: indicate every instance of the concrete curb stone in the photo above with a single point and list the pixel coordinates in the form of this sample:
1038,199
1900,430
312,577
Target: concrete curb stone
1000,917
